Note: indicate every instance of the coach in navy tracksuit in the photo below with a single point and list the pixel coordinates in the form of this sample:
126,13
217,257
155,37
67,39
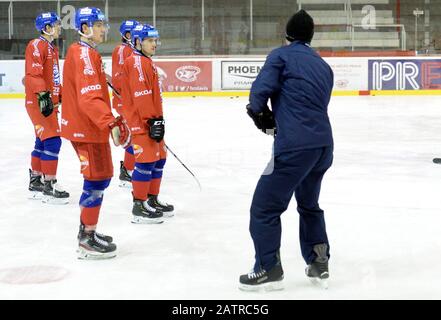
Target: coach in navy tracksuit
299,83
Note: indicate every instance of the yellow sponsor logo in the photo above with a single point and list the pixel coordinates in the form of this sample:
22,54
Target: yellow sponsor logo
137,150
84,162
39,130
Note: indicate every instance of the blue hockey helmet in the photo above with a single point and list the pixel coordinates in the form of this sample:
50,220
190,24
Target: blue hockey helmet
44,19
127,26
88,15
144,31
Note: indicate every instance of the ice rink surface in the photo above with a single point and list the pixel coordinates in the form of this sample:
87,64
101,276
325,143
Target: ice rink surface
381,200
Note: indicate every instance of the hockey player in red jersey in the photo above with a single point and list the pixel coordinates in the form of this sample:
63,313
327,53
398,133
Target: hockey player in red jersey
87,121
43,95
142,107
120,53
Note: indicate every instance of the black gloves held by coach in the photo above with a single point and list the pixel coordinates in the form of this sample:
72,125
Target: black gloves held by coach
263,120
156,128
45,103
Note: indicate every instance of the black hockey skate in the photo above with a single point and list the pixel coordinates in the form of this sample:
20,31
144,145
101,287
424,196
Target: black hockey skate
263,280
92,247
125,178
318,271
36,186
99,235
53,193
166,208
144,214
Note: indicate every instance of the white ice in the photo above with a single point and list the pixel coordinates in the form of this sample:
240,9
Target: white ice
381,201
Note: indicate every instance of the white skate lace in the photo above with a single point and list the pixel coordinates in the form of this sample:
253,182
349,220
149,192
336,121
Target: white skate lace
146,205
164,204
58,187
100,234
100,241
254,275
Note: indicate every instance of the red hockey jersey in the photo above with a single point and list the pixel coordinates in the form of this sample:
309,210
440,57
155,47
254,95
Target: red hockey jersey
120,53
42,72
86,111
141,93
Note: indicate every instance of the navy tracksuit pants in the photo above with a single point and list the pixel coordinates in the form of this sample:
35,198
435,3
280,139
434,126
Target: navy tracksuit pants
299,172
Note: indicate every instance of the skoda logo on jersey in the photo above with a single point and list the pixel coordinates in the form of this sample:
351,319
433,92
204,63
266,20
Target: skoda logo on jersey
187,73
93,87
57,80
142,93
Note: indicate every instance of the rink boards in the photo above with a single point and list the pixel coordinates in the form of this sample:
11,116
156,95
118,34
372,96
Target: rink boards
233,76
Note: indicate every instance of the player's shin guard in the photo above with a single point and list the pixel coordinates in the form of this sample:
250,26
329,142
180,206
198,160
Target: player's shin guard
36,156
91,200
49,156
129,159
156,177
53,192
155,185
141,178
93,245
35,162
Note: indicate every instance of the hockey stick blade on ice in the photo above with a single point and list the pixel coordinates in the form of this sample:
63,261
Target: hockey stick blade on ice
437,160
189,171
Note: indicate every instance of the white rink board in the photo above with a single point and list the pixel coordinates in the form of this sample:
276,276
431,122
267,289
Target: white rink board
350,74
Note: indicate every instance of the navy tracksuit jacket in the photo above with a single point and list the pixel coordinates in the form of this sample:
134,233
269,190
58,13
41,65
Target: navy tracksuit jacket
299,83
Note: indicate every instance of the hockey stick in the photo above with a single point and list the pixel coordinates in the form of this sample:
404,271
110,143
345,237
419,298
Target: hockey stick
179,160
113,89
437,160
200,188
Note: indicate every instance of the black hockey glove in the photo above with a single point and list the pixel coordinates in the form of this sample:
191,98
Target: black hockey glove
264,120
45,103
156,128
